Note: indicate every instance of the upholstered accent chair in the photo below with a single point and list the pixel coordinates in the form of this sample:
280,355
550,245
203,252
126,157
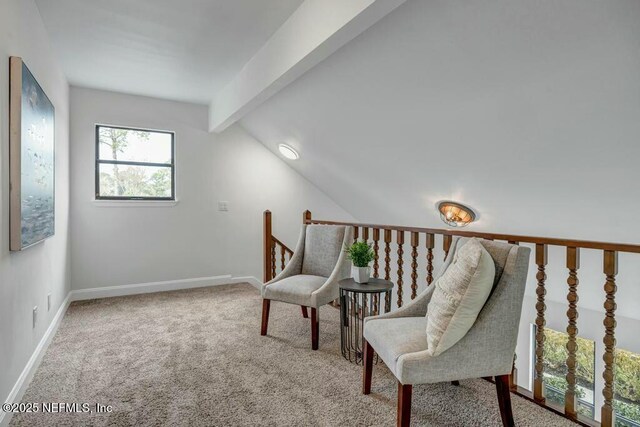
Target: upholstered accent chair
311,277
487,350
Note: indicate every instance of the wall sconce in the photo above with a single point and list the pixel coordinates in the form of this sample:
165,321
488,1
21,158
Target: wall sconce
455,214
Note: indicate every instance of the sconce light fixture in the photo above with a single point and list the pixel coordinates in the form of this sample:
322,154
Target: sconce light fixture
288,152
455,214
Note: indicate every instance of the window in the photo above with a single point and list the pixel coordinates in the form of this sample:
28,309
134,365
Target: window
555,370
134,164
626,399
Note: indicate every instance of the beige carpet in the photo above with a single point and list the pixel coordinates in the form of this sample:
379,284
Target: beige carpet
196,357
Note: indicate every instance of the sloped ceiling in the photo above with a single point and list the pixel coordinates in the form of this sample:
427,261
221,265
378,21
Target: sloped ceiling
183,50
527,111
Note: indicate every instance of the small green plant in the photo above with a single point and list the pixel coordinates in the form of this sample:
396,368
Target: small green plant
360,254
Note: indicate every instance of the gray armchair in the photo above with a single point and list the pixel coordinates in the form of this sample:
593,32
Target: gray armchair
311,277
487,350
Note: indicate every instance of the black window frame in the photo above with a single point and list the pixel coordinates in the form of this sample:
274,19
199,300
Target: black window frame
172,165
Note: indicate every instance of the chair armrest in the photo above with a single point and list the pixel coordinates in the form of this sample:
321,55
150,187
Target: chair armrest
329,291
294,266
416,308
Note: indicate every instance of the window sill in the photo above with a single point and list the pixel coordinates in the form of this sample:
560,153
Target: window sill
135,203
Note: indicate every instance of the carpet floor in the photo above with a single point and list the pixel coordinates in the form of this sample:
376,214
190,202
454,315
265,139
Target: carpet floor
196,357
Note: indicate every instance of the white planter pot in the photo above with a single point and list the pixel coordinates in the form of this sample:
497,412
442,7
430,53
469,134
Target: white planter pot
361,274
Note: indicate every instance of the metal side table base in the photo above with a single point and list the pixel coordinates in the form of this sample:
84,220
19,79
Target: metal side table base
358,301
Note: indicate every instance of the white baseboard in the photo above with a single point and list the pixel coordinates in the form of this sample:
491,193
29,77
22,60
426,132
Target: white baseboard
111,291
168,285
253,281
34,361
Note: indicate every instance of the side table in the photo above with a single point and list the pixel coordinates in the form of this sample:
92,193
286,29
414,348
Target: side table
357,301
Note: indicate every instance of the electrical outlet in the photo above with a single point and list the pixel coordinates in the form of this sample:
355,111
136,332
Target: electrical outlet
49,302
35,315
223,206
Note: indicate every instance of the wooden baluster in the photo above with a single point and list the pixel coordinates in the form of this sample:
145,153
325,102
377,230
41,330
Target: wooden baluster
273,258
541,276
400,239
431,243
607,415
446,244
376,249
266,248
306,219
365,235
376,257
570,397
415,241
282,258
355,233
387,252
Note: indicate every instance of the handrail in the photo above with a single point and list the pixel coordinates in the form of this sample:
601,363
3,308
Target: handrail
585,244
282,245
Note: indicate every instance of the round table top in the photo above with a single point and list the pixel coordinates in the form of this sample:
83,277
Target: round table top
374,285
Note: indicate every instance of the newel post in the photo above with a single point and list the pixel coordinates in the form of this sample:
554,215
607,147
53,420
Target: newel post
267,242
306,217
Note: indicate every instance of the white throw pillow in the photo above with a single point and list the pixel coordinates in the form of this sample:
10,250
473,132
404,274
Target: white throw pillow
460,294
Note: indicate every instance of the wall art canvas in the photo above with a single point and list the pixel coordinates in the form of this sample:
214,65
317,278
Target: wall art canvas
31,159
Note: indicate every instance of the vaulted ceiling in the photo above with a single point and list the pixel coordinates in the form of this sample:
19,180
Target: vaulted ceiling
524,110
527,111
229,54
183,50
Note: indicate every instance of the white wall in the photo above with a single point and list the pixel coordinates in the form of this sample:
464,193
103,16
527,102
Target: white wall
126,244
27,277
527,111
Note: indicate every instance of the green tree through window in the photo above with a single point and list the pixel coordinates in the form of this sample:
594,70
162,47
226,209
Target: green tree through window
626,378
626,399
555,370
134,164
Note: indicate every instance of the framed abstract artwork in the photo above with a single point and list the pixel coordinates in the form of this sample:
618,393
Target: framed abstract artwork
31,159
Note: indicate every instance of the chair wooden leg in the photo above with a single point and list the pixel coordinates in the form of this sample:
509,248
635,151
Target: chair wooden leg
404,404
367,369
455,382
504,400
315,329
266,304
305,314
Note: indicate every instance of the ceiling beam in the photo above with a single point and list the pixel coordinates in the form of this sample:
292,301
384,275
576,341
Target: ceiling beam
312,33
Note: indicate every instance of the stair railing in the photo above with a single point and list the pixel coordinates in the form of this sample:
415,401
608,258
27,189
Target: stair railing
383,237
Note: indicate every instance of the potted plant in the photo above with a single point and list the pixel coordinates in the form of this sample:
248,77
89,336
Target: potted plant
360,254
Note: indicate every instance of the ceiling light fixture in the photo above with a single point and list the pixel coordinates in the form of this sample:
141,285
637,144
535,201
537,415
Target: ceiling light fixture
455,214
288,152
